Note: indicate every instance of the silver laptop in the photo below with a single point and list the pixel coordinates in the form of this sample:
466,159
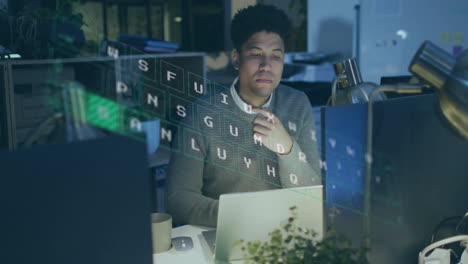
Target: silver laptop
251,216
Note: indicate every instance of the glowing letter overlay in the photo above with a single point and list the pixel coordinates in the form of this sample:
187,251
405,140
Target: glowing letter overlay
258,139
248,108
135,124
208,121
152,100
170,75
292,126
121,87
143,65
302,157
293,178
223,157
270,117
247,161
181,111
193,145
236,133
198,88
112,52
280,148
350,151
166,134
224,98
323,164
313,135
271,170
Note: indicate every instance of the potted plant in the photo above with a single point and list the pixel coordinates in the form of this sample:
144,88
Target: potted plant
293,245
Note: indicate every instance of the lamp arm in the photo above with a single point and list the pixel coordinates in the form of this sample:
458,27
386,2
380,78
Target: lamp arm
333,92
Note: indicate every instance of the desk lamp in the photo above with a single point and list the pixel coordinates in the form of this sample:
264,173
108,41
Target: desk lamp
450,78
351,88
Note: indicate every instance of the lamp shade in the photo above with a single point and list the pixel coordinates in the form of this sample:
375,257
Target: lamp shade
450,77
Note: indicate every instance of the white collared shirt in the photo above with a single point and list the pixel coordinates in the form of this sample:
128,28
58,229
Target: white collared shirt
240,103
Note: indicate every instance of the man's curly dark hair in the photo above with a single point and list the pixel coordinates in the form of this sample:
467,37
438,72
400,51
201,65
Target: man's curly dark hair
257,18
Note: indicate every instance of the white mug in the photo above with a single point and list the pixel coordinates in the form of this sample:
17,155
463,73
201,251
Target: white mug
161,229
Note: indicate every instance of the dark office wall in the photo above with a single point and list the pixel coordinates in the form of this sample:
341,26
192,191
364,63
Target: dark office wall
17,5
331,25
204,25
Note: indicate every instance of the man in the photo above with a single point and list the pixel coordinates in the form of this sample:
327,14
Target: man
257,135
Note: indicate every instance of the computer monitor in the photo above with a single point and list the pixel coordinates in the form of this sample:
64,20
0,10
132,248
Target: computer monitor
83,202
420,177
34,89
419,174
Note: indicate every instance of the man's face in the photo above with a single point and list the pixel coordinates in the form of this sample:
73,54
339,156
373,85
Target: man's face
260,63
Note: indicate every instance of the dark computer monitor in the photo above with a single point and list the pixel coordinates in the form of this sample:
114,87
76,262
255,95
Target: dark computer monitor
419,174
83,202
420,177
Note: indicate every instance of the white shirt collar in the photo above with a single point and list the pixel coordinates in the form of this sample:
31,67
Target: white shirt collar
240,103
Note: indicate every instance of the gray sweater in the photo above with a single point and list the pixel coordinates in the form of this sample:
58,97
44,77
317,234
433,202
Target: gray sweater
217,154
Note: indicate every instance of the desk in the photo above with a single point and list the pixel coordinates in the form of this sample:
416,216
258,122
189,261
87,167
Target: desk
199,254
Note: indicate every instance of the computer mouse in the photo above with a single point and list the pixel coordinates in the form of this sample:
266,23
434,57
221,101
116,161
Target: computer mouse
182,243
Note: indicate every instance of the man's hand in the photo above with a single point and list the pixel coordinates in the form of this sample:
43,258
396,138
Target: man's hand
272,133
